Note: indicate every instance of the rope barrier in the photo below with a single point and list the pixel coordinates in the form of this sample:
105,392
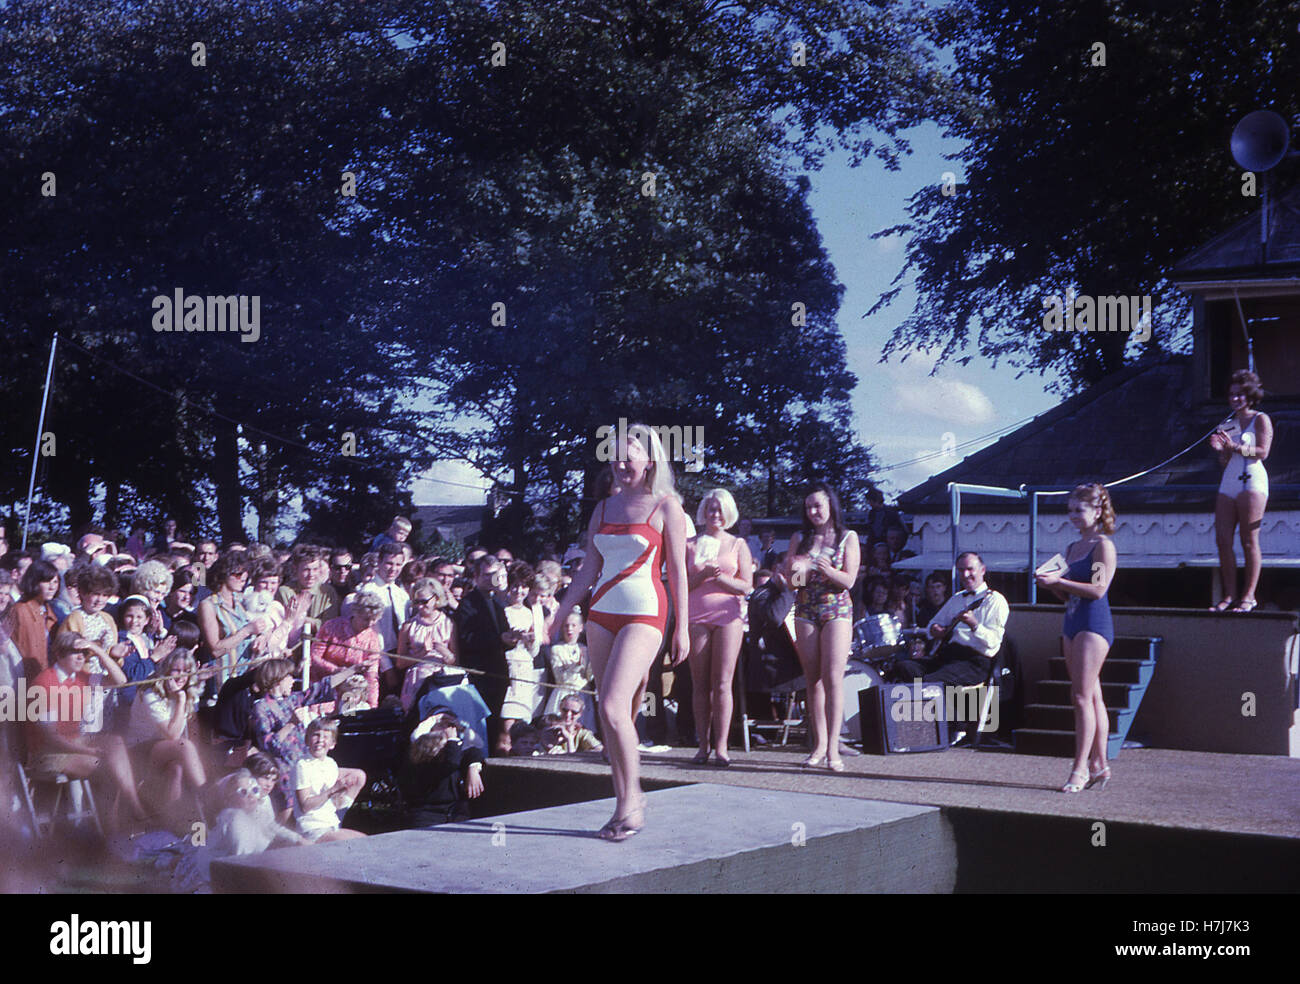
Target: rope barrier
1147,471
245,666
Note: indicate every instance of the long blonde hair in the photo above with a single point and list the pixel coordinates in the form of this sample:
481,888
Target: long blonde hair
177,662
659,472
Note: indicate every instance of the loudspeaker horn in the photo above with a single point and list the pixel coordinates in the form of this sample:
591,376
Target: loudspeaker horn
1260,140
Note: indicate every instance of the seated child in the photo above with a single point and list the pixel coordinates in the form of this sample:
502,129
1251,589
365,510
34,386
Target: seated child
322,788
440,776
565,733
525,740
246,824
267,773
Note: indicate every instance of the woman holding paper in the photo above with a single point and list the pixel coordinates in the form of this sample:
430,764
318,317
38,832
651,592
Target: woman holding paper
1242,443
720,572
1088,630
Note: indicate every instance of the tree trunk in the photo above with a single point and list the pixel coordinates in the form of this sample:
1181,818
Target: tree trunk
225,476
80,512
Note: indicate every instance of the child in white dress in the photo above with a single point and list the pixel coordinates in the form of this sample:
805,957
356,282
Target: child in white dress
571,671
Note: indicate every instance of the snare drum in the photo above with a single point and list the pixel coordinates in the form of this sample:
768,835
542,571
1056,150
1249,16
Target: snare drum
883,635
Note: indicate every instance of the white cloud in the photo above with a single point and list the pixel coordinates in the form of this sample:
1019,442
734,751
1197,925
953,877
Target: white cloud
890,244
443,485
946,400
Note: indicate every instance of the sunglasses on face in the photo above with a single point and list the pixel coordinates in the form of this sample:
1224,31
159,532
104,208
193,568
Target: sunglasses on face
423,601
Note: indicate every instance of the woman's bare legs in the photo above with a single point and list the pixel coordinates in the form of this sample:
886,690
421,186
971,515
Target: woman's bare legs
1084,655
620,664
701,660
836,639
806,642
1225,524
726,654
114,757
1250,517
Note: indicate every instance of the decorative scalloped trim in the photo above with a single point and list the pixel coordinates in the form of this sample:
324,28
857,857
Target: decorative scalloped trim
1171,524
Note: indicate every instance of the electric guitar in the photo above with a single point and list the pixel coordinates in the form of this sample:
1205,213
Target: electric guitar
951,627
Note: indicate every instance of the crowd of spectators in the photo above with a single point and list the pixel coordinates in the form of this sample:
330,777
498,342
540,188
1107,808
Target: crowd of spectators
189,659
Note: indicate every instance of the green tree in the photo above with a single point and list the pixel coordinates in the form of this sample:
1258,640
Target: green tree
216,173
1084,175
650,247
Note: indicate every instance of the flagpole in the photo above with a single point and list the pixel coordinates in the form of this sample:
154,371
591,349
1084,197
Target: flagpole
40,430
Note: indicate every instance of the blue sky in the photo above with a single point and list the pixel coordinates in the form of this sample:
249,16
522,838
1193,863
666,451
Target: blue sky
903,412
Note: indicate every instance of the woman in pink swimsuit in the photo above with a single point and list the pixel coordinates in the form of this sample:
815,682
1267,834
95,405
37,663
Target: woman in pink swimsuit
721,574
631,535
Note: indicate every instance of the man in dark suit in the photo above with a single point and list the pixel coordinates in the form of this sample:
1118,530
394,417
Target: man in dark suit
480,621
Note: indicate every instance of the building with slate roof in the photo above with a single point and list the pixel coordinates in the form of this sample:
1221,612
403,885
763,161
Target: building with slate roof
1137,418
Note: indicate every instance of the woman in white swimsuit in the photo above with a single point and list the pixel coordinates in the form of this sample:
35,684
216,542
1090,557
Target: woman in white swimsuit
1243,492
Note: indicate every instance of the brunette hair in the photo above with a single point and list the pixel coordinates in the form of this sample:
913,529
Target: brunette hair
520,572
837,515
1096,496
96,579
272,672
37,573
1250,386
229,563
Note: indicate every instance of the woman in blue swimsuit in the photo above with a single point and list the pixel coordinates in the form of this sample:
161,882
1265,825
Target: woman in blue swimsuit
1088,630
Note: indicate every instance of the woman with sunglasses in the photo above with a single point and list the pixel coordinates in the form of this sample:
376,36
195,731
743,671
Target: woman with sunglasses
227,628
428,636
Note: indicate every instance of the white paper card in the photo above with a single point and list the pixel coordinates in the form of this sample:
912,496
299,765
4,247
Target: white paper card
1056,565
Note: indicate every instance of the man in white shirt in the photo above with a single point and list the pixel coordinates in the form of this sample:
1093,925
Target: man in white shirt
397,603
964,659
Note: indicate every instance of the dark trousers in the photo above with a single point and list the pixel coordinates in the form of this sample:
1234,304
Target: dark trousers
953,663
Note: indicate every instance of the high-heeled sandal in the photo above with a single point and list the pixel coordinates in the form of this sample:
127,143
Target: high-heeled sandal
812,761
700,758
1098,779
1223,606
622,828
1076,787
836,766
1245,605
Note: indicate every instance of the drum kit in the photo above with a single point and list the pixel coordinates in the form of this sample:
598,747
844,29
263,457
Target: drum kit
885,641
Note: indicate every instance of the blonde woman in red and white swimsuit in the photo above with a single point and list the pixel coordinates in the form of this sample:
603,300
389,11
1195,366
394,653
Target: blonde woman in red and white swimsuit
632,534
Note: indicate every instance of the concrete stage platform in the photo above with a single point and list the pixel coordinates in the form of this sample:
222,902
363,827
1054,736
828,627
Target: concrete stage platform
955,821
1207,791
698,839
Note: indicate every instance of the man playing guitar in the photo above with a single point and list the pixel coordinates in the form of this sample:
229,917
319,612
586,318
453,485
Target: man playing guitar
965,634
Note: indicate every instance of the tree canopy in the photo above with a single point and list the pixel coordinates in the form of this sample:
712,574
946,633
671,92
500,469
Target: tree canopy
1086,167
563,213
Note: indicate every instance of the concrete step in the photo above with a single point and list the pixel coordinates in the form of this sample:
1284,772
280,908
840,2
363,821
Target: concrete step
1120,695
1135,647
1043,741
695,841
1054,717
